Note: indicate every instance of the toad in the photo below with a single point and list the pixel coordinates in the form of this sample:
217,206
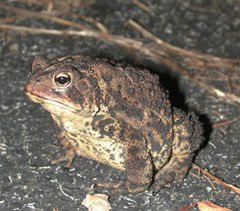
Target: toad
116,115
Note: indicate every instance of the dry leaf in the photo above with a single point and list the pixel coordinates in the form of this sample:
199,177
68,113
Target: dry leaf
209,206
97,202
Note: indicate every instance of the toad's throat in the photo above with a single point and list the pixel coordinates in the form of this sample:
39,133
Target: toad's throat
43,101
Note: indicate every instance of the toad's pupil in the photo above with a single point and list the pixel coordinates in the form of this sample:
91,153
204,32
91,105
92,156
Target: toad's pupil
62,80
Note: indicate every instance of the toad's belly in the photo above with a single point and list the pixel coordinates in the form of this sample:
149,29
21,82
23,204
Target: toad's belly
90,143
103,150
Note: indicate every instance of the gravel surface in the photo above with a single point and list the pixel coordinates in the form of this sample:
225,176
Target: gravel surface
29,182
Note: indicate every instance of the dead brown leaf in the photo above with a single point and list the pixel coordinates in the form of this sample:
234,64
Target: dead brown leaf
97,202
209,206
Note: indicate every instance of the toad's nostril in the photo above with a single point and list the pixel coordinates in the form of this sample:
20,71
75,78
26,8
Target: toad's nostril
37,80
28,88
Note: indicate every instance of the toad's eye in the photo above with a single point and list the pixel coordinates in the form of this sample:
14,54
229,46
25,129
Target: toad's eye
62,79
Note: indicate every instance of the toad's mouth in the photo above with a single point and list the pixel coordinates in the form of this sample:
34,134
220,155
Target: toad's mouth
46,101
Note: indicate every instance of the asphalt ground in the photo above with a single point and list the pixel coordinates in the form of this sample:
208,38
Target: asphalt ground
29,182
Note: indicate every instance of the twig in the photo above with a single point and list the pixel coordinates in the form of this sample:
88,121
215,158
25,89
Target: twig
199,59
43,16
174,48
225,123
87,33
142,6
211,183
194,175
224,184
93,21
9,19
187,207
214,79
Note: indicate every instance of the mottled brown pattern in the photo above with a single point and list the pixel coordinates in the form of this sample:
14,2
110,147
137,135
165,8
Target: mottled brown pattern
117,115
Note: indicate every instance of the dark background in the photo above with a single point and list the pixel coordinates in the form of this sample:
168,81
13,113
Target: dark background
29,182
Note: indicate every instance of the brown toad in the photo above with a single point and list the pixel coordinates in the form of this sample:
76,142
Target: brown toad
117,115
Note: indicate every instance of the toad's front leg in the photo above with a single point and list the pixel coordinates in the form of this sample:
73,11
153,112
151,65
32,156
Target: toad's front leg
70,151
68,156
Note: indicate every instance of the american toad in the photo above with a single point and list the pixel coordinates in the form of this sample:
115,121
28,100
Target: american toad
117,115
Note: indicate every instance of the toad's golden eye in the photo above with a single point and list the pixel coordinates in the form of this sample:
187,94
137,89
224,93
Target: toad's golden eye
62,79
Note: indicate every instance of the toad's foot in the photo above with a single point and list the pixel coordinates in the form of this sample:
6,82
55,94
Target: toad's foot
115,187
124,186
176,170
69,156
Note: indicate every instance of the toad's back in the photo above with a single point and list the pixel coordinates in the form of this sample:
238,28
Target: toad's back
135,96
